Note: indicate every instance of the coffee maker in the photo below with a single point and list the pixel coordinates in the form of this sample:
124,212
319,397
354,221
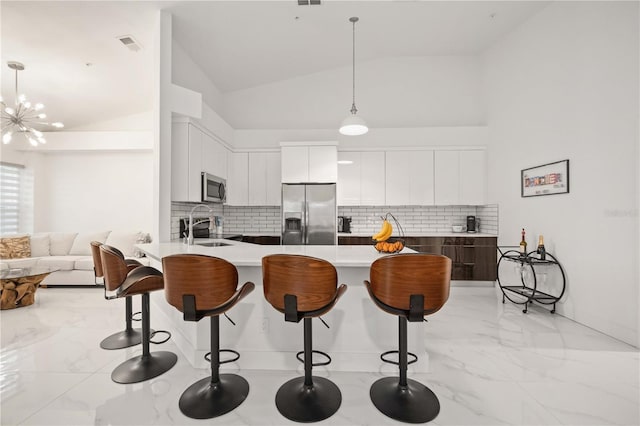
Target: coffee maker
344,224
473,224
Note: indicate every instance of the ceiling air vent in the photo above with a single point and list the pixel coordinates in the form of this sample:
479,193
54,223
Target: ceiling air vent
308,2
130,42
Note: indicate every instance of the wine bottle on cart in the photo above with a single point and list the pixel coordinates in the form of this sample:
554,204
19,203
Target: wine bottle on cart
523,244
541,250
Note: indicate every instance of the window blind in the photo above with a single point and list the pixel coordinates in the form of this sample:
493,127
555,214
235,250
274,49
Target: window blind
16,195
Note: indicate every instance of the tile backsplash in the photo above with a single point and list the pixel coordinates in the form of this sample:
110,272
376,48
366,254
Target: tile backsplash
415,220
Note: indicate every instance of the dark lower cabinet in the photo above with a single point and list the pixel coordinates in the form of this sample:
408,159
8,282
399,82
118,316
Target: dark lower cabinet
473,258
265,240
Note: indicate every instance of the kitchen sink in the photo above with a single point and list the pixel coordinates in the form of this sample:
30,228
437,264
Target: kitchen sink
213,244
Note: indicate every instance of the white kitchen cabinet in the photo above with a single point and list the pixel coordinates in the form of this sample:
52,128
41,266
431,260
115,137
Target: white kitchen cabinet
473,177
460,177
361,178
409,178
186,162
264,179
238,179
214,156
309,163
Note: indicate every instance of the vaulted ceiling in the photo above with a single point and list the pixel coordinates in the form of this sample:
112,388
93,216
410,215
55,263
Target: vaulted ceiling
78,68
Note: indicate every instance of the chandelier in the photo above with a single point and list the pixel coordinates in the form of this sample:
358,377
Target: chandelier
21,117
353,125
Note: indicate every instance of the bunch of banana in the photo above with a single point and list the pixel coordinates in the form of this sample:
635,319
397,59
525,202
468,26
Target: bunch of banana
385,232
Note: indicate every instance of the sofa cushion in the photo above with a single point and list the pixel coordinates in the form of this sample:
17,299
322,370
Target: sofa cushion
63,263
60,243
15,247
28,262
82,244
84,263
124,241
40,245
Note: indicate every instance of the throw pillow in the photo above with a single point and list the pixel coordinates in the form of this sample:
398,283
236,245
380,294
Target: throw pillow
124,241
39,245
15,247
61,242
143,238
82,244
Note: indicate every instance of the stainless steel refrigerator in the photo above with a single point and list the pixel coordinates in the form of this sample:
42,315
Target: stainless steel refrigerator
309,214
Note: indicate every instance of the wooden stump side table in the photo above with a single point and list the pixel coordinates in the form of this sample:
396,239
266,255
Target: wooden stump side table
18,286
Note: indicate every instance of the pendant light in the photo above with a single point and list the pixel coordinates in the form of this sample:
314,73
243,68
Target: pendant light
354,125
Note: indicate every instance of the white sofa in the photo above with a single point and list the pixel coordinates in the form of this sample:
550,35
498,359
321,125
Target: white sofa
70,252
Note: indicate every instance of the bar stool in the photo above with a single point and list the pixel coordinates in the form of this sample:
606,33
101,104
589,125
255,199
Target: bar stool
303,287
142,280
203,286
409,286
129,336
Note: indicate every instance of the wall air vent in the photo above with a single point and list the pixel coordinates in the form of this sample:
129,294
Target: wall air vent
308,2
131,43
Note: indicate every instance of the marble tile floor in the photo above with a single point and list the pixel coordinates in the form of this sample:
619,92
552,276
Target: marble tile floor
490,364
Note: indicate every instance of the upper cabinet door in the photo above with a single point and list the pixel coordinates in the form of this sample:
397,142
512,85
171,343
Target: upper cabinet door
473,177
349,180
421,182
309,163
295,164
323,164
186,162
398,178
257,179
461,177
274,183
372,178
238,179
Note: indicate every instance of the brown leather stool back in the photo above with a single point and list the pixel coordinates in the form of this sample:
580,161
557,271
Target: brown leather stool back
394,279
313,281
213,281
114,267
97,261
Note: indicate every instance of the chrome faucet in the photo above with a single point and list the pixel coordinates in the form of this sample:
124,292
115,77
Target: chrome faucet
190,237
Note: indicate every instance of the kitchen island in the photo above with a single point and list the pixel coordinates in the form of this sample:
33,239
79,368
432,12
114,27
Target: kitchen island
359,331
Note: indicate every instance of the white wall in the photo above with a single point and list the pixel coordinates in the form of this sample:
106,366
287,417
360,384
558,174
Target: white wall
186,73
375,138
94,191
565,85
392,92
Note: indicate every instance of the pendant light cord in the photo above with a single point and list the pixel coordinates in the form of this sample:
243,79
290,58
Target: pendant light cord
353,105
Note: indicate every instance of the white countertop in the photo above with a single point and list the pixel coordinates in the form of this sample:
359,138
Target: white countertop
245,254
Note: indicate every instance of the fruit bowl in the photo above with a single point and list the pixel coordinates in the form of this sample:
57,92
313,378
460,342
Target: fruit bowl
383,242
392,245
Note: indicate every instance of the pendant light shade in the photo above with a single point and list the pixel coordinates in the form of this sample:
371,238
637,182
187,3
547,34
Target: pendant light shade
354,125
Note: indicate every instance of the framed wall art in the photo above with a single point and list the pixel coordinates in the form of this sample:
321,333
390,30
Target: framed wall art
547,179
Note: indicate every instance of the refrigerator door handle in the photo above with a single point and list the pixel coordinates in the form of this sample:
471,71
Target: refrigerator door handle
305,234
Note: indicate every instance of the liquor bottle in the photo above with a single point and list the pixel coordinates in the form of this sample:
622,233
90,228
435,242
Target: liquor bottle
523,244
541,250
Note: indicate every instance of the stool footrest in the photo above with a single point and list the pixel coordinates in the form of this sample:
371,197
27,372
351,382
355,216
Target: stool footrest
316,364
413,356
207,356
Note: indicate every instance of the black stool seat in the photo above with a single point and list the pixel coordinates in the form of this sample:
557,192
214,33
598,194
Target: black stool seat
302,288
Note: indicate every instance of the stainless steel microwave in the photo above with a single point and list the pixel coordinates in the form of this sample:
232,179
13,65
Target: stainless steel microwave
213,188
